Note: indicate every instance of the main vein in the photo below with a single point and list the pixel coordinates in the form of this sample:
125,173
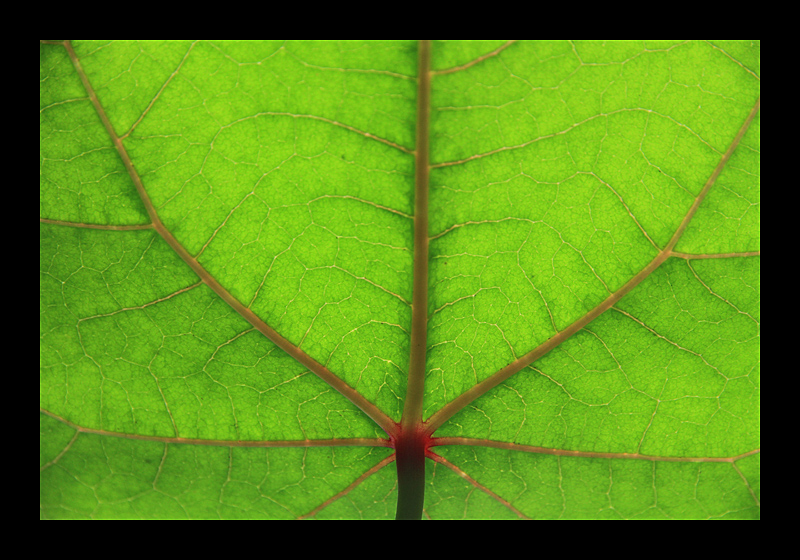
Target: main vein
386,423
409,446
412,409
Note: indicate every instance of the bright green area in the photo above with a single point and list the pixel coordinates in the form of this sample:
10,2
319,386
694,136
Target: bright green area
729,221
599,152
131,343
100,477
81,176
287,170
646,97
673,370
448,496
305,221
451,54
550,487
374,499
127,75
750,469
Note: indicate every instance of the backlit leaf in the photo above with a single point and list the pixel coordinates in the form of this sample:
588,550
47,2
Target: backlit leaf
229,321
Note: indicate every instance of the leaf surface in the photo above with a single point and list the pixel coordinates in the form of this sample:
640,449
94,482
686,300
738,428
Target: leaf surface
228,311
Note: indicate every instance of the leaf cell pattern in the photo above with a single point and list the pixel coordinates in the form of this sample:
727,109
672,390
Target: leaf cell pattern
227,279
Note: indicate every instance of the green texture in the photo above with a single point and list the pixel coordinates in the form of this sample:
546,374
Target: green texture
224,224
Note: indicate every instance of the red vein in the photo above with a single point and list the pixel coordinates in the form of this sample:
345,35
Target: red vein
95,226
334,442
492,381
386,423
344,492
441,460
569,453
481,58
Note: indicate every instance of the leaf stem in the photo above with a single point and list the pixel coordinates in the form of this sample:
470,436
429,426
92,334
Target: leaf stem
410,452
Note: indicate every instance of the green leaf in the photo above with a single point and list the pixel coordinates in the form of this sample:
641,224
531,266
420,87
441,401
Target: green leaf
360,280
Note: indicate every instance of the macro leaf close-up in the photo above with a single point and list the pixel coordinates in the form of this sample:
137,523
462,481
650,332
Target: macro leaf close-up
399,280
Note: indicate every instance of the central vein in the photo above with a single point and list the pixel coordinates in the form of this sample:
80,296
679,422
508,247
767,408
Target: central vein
410,444
412,411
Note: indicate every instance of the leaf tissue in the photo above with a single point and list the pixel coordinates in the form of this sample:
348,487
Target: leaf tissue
413,280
